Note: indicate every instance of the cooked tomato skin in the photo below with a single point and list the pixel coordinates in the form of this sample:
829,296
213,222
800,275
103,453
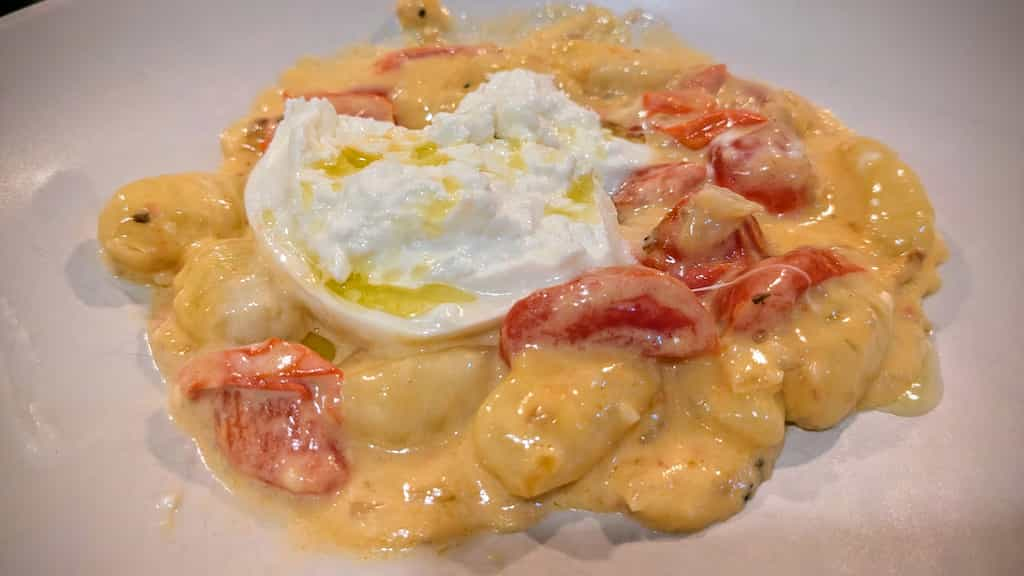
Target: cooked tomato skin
697,133
766,293
726,260
767,166
666,183
274,413
631,307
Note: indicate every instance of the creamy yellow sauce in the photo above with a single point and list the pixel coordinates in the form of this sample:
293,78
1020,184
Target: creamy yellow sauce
445,440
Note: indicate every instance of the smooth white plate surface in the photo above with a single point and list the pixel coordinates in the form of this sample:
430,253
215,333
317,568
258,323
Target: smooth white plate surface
95,94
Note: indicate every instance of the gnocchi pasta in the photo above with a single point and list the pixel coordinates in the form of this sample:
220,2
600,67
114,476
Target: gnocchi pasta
148,225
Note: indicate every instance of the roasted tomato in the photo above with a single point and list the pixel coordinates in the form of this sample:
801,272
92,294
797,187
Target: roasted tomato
768,166
766,293
682,101
631,307
273,413
664,184
699,132
706,238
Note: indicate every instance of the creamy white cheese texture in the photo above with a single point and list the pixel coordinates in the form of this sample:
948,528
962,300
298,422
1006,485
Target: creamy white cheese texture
507,194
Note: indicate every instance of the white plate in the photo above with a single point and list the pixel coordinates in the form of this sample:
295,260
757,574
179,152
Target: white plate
95,94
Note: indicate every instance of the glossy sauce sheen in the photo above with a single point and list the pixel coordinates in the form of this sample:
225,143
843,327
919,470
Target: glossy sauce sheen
441,440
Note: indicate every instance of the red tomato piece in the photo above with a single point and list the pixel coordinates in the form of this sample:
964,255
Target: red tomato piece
630,307
724,261
681,101
394,60
692,92
727,242
666,184
271,414
765,294
699,132
700,275
768,166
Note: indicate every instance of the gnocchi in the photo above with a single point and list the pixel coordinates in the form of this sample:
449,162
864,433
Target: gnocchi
223,294
148,225
549,421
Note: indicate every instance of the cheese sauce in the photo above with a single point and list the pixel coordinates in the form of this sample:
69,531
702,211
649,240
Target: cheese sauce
444,438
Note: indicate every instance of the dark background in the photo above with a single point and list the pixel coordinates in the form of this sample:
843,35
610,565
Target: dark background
15,5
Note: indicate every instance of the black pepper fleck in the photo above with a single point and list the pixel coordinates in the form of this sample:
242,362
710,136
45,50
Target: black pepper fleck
759,463
141,217
466,86
422,13
760,298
